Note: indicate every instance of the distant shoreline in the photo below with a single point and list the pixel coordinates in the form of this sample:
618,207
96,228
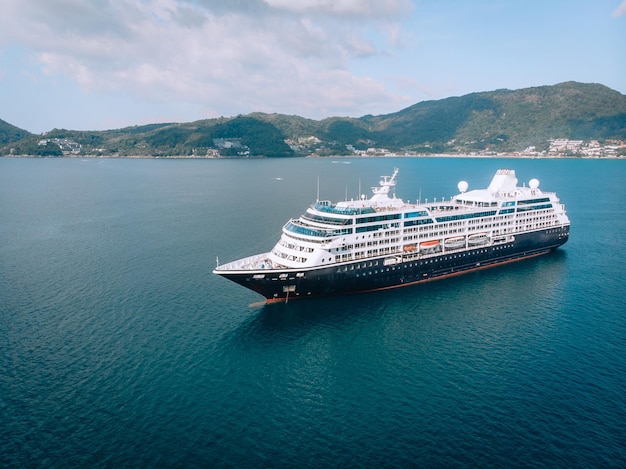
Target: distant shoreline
443,155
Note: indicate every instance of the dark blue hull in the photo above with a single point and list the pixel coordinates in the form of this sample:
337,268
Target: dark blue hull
394,271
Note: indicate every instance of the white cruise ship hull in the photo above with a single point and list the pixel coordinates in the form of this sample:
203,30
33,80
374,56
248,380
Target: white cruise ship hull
393,271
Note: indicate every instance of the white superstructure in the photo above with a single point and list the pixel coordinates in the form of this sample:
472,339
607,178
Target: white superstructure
385,225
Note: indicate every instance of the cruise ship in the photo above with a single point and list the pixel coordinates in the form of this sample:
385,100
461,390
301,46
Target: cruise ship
382,242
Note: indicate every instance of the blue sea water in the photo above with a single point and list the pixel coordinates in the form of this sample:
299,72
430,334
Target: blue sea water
120,348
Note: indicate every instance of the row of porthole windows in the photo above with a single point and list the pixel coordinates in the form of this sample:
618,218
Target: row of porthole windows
411,264
369,272
452,256
363,265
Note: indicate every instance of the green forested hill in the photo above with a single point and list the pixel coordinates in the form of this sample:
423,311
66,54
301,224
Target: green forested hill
10,133
501,120
512,120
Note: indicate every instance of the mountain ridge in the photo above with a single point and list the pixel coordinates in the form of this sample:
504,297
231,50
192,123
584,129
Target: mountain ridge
499,121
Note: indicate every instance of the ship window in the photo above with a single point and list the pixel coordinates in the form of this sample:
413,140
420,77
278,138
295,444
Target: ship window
425,221
537,207
394,216
415,214
326,206
333,221
466,216
533,201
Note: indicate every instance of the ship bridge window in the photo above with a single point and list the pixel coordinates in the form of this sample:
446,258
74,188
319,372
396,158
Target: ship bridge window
322,219
294,228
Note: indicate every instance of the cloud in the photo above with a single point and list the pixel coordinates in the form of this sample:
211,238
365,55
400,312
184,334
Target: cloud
621,9
356,8
229,57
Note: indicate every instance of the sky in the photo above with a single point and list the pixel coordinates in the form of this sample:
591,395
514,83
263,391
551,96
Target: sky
108,64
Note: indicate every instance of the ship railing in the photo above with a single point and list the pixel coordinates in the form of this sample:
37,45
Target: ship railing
296,226
325,206
326,220
256,262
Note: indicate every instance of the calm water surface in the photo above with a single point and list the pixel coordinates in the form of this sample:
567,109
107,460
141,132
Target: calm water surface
118,347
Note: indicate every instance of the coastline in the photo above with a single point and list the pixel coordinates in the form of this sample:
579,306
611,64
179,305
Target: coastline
442,155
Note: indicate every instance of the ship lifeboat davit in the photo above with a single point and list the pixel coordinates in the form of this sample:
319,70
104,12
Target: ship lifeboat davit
478,239
429,244
453,243
392,261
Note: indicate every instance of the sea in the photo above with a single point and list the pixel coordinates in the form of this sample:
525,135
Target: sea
120,348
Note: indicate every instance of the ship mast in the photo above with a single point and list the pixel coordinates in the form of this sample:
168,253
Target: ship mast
385,185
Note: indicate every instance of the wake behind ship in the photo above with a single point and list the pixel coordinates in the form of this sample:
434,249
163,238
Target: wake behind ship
383,242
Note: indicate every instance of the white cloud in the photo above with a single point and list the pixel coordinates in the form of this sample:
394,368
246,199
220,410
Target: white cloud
357,8
620,10
228,57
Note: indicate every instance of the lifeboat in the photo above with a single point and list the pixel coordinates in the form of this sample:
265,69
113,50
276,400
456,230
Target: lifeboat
478,239
453,243
409,248
429,244
391,261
